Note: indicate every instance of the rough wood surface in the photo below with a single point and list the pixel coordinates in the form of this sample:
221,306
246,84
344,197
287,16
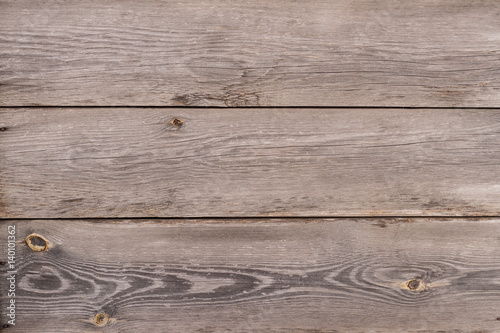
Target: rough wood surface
129,162
250,53
380,275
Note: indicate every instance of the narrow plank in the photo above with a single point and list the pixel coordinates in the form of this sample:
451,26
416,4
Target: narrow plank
375,275
129,162
250,53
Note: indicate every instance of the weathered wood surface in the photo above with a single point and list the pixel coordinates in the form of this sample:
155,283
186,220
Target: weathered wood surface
250,53
245,276
129,162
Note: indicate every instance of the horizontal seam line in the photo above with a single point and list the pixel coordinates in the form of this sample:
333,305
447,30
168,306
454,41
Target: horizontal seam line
464,217
247,107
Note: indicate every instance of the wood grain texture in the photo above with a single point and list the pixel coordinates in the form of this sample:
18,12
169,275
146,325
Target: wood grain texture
250,53
268,276
130,162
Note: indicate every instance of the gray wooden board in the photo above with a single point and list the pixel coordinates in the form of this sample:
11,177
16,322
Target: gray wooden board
250,53
132,162
301,275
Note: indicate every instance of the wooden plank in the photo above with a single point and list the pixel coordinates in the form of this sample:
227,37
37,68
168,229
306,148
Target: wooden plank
376,275
250,53
130,162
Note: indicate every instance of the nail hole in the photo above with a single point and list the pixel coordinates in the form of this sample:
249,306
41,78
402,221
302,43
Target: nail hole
5,326
3,129
101,319
37,242
3,263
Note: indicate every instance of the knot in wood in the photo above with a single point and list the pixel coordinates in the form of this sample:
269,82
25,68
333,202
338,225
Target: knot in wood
101,319
413,284
36,242
176,122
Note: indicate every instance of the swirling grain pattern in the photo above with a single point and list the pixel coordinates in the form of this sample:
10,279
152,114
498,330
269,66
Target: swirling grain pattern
383,275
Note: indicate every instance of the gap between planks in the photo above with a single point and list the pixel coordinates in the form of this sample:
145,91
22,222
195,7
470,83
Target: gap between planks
245,107
259,218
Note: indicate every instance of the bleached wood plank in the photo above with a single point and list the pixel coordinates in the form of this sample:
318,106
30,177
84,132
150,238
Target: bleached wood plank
380,275
250,53
134,162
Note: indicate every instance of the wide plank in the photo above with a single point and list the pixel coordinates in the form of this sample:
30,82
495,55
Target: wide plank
301,275
167,162
250,53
